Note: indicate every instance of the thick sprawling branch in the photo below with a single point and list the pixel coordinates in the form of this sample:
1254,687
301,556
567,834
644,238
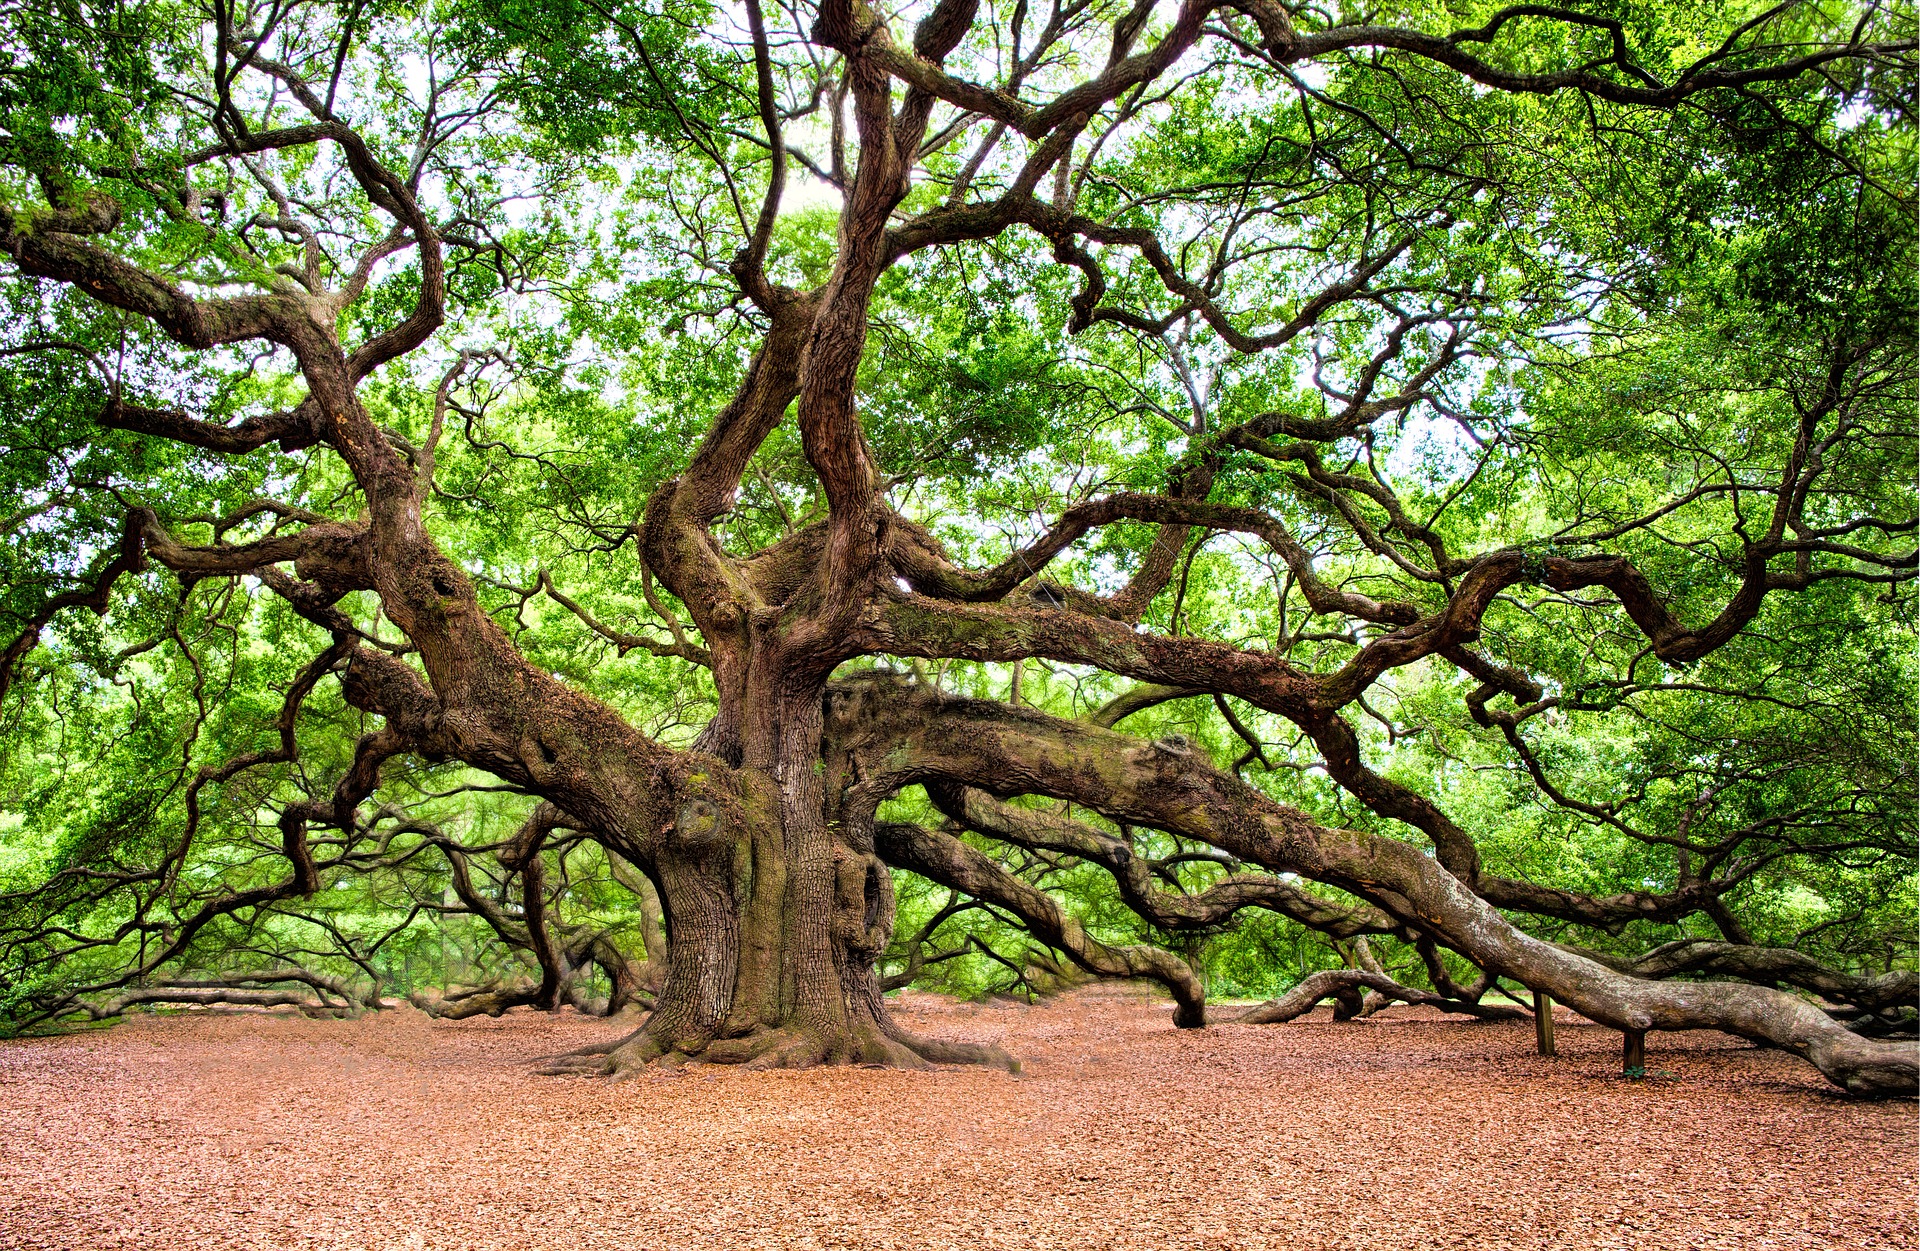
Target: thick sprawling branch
55,243
928,576
901,734
292,429
1133,874
233,988
1769,965
1342,983
761,846
1285,45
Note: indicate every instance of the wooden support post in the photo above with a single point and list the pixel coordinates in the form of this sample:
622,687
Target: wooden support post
1633,1060
1543,1022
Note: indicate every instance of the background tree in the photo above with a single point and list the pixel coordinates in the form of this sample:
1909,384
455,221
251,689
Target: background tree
640,480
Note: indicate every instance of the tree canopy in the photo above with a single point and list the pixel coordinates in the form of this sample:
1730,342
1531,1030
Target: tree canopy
734,510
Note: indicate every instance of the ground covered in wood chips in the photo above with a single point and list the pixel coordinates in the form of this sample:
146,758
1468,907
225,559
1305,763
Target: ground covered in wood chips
1401,1131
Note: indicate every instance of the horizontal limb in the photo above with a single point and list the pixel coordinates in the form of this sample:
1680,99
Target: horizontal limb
1336,983
901,734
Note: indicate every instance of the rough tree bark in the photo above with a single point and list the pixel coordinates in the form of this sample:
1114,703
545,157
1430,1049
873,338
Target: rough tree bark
771,869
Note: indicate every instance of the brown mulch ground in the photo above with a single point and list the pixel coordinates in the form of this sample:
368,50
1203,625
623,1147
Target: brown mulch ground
1402,1131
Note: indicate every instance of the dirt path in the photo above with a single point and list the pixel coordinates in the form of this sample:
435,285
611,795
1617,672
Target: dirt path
1398,1132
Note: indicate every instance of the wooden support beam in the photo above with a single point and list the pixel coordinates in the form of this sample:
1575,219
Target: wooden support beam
1543,1022
1633,1059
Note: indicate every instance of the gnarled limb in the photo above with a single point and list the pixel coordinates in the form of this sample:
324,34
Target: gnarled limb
1770,965
1035,828
1341,984
901,734
761,846
211,995
945,859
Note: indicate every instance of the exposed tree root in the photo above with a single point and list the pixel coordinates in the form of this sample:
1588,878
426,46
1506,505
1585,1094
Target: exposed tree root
789,1047
947,1051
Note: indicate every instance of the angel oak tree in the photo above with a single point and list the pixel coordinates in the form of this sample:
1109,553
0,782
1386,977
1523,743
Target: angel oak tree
1649,267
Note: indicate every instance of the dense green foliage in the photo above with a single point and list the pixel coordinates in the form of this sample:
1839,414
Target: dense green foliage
1616,319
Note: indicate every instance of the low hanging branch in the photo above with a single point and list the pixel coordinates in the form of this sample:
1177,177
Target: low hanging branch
1341,236
1343,984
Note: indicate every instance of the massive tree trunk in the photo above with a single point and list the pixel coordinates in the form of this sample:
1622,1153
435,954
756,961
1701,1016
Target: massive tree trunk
776,914
762,840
